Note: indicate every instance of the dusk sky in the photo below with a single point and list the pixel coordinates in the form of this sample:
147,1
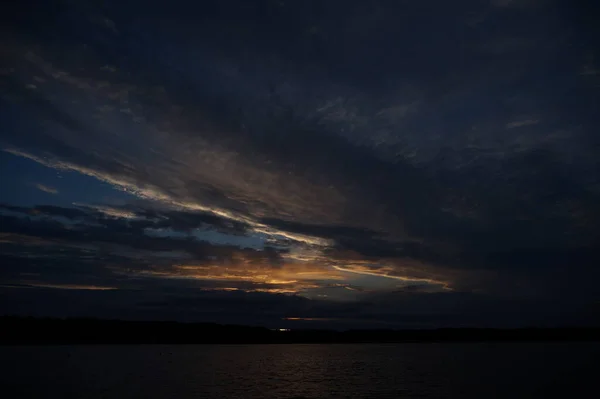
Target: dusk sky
338,164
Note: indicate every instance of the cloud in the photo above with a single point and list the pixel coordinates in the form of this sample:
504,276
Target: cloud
70,287
391,165
109,211
528,122
368,272
124,250
46,189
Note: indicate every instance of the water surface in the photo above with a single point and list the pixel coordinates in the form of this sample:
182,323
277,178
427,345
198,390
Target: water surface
477,370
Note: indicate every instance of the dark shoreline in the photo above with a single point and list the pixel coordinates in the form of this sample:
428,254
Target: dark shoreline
33,331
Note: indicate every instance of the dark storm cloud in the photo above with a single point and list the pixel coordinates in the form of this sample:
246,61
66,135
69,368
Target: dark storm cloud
451,143
61,252
132,217
96,229
50,210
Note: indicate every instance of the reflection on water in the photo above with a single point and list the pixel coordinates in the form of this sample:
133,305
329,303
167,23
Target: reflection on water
299,371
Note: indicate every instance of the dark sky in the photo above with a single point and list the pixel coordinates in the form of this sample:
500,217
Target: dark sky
335,163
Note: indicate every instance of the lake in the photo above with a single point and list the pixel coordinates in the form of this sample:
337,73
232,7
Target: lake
475,370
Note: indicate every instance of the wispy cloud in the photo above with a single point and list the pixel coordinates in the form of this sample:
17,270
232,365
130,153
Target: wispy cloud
46,189
523,123
109,211
385,273
68,286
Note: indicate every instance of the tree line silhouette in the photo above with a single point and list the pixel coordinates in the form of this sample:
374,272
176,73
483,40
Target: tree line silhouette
26,330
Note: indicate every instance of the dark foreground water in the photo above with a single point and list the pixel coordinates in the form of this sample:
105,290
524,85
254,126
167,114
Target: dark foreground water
477,370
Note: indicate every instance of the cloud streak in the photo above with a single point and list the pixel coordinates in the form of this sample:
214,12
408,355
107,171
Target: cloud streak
46,189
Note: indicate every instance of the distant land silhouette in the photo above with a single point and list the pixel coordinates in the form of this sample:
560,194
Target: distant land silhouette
25,330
